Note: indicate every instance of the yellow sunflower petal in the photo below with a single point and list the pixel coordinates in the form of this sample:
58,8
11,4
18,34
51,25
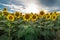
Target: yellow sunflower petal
34,17
48,17
17,14
5,13
26,17
54,17
41,14
10,17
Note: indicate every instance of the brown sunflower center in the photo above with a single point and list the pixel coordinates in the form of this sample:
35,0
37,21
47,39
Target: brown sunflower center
42,13
27,16
53,17
48,16
17,14
5,13
10,17
4,9
34,17
50,13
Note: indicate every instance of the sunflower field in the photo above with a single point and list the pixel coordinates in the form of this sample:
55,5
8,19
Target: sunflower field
30,26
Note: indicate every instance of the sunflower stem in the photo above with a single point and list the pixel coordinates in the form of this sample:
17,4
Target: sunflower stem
9,33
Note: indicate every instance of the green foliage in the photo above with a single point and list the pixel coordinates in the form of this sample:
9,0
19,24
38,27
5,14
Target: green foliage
22,30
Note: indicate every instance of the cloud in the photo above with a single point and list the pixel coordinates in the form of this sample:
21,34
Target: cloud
26,6
23,7
4,1
48,2
44,4
13,7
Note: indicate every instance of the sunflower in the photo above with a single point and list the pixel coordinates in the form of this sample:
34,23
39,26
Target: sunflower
55,12
41,14
34,17
5,13
50,13
4,9
17,14
26,17
10,17
48,17
54,17
31,13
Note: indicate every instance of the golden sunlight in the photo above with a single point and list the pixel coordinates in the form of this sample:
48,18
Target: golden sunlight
32,8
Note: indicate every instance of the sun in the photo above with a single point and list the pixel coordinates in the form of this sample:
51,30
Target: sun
32,8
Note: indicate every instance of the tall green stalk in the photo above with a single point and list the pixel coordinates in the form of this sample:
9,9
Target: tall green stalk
9,32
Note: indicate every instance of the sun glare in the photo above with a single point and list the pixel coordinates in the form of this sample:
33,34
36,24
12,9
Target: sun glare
32,8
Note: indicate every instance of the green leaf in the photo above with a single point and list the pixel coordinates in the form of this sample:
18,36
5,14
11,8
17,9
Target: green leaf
20,33
59,17
4,37
29,37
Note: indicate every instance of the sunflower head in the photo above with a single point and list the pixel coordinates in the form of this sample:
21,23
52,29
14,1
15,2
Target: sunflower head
10,17
17,14
48,17
4,9
34,17
54,17
41,14
5,13
55,12
31,12
26,17
51,13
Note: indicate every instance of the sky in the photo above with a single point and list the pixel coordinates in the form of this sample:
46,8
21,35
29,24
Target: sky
28,6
